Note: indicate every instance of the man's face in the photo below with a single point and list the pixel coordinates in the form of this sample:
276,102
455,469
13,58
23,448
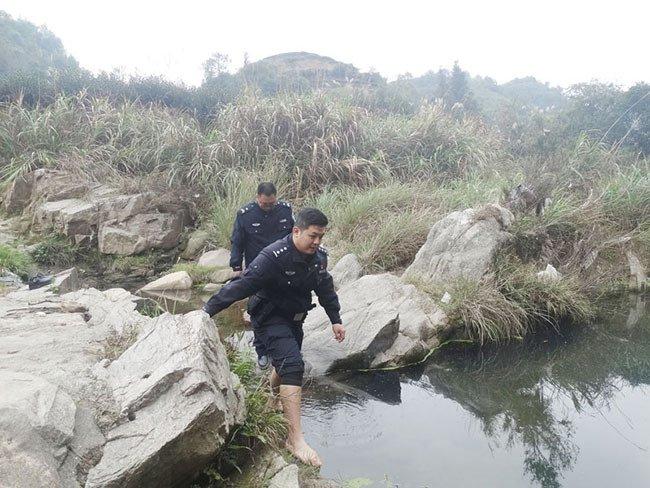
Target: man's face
265,202
308,240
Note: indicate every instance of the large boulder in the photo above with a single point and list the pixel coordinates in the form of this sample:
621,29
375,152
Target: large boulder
70,217
178,401
121,207
69,418
140,233
462,245
387,322
52,185
18,194
80,219
95,214
54,405
346,270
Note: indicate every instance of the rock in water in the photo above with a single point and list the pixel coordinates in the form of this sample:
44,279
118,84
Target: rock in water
387,322
180,280
638,275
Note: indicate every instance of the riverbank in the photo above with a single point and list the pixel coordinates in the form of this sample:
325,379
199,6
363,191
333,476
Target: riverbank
449,237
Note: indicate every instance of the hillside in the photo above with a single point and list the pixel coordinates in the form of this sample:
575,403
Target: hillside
302,70
26,47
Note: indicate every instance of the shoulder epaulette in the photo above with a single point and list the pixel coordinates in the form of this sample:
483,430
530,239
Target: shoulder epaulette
278,252
245,208
282,202
322,249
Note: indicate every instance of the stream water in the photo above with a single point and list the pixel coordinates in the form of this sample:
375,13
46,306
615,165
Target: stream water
570,410
556,410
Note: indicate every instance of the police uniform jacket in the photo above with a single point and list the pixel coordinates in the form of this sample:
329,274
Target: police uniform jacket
282,279
255,229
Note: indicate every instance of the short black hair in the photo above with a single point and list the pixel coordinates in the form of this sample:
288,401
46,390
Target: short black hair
266,188
310,216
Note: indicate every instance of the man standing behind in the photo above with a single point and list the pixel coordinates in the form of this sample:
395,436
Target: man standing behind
280,281
258,224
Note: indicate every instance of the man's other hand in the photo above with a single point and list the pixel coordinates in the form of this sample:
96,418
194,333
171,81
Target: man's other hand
339,332
236,274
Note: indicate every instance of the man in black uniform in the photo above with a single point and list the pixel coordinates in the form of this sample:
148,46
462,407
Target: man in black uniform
280,280
258,224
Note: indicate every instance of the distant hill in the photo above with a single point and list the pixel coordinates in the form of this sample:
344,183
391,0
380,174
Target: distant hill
26,47
303,70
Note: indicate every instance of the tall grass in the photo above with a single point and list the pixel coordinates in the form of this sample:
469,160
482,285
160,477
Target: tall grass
432,142
317,139
384,226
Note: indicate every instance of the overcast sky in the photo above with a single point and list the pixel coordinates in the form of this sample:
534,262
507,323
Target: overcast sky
561,42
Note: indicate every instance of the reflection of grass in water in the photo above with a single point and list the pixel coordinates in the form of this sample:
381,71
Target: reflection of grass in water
512,390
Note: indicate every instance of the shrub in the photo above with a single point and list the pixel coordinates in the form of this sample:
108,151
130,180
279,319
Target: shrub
14,260
55,250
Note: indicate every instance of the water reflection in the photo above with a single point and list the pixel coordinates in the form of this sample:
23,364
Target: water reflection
539,399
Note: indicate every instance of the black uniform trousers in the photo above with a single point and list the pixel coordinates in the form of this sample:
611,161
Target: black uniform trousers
282,340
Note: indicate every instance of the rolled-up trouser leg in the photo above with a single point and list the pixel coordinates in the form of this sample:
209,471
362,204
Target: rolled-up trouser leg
283,341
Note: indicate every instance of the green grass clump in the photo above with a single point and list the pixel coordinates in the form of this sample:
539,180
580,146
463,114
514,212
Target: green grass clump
626,197
479,310
373,223
56,250
545,302
263,423
511,304
150,308
431,142
14,260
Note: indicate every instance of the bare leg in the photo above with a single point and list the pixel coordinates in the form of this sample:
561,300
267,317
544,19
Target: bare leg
275,390
291,397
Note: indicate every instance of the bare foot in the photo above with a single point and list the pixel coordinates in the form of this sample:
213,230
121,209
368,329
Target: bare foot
304,453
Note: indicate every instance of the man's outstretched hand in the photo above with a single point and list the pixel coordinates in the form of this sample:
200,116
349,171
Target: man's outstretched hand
339,332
